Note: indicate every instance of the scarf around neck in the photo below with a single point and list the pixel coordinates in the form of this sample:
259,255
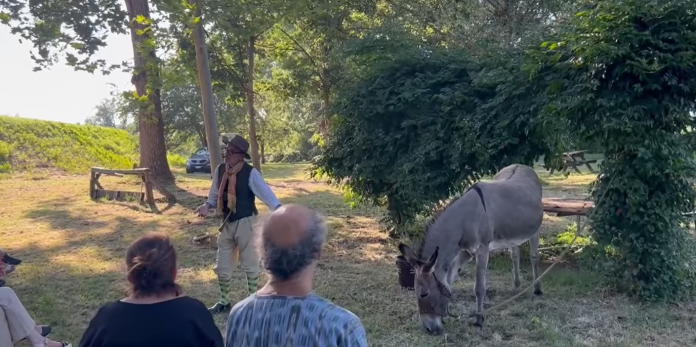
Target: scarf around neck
230,176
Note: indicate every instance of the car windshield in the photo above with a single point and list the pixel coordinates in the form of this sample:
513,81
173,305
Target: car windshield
201,152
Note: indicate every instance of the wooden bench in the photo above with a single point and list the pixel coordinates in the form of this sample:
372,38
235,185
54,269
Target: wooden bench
96,191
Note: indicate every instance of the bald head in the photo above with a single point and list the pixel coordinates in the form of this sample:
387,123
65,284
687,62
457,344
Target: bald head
291,239
287,225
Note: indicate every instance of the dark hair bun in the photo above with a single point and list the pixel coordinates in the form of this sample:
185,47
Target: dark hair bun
151,262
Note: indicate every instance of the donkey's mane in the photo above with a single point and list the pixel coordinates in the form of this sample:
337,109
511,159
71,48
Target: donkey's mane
437,215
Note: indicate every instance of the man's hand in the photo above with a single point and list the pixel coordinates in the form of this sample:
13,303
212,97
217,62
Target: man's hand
202,210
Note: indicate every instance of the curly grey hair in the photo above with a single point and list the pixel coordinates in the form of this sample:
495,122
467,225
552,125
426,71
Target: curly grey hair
285,262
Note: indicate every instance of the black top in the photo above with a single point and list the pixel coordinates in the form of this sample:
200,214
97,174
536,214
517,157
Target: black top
246,200
180,322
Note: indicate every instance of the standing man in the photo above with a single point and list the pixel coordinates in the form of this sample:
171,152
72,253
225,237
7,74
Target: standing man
233,193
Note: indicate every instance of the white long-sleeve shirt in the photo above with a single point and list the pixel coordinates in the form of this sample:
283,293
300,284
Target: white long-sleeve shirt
257,185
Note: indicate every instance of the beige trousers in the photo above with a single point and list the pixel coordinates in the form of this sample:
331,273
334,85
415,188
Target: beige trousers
15,323
236,240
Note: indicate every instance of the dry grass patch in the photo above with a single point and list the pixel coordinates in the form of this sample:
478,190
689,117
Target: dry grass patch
73,250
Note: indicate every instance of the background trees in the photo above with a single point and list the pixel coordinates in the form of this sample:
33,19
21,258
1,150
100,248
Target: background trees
407,102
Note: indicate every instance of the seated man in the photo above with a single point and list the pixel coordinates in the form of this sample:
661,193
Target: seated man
17,325
286,312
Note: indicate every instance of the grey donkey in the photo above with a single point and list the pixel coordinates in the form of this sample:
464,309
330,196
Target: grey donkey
503,213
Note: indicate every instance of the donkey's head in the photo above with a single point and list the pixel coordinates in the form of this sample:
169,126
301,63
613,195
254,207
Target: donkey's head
433,294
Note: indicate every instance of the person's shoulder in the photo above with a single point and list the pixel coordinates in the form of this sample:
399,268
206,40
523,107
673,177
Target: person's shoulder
336,313
241,305
190,303
109,309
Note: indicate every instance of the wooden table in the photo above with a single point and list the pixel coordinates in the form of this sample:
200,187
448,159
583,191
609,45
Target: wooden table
574,159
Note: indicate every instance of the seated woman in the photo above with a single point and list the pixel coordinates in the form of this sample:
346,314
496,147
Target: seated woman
17,325
155,313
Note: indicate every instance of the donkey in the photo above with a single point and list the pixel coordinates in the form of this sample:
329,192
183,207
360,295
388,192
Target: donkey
503,213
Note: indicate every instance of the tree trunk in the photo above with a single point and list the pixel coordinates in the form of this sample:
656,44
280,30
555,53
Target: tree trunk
202,137
324,122
153,153
262,147
250,105
206,87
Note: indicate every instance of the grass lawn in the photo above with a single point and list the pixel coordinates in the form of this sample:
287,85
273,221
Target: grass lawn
73,252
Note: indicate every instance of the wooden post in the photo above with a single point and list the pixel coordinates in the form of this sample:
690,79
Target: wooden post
149,197
92,184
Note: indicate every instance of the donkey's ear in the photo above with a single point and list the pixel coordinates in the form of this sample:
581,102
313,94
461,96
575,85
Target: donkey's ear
409,255
432,261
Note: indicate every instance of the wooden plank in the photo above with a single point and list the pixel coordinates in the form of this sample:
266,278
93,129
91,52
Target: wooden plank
581,162
139,171
149,196
171,198
567,207
118,195
574,153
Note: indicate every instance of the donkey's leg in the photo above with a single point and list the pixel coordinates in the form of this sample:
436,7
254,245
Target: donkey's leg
534,257
453,270
515,255
458,265
480,287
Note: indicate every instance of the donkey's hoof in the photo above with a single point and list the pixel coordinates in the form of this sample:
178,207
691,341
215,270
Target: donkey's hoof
479,320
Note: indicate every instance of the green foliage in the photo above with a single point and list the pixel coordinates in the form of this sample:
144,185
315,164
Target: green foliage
73,30
423,126
73,148
5,153
176,160
625,75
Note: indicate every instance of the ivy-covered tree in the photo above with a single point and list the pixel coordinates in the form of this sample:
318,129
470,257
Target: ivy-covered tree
424,125
625,75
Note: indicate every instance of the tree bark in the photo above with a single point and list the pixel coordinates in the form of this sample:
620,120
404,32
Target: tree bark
250,105
153,152
206,87
325,123
262,147
202,137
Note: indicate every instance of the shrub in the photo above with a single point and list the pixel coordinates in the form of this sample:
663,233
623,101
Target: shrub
625,75
176,160
421,127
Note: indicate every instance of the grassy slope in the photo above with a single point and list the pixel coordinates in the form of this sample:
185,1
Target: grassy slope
73,248
70,147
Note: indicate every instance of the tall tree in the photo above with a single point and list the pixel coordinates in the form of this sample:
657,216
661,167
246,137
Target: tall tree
153,153
75,30
107,114
308,44
238,26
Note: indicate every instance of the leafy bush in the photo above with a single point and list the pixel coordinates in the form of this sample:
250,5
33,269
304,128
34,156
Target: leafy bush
176,160
422,126
625,75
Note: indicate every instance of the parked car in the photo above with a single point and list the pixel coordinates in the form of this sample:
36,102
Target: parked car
199,162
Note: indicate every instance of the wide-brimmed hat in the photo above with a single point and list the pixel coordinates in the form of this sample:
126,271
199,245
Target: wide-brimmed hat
240,143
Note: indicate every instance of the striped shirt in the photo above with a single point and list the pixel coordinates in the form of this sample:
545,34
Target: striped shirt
269,321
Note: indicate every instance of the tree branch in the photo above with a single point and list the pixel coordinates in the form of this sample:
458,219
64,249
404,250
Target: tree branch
304,51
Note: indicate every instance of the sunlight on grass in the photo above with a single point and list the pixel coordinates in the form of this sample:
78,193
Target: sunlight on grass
75,261
73,248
